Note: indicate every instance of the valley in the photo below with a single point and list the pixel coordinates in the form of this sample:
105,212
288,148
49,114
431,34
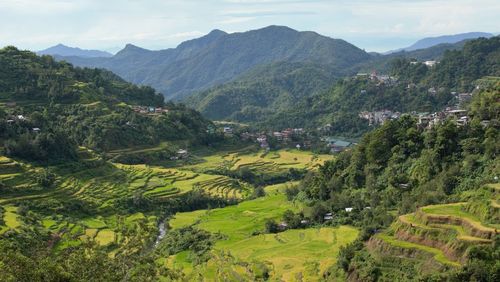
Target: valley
297,157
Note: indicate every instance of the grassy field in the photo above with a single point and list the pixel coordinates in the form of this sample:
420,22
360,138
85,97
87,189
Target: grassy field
290,254
10,218
249,215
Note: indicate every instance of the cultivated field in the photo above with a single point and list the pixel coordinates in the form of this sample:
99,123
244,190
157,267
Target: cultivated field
443,233
293,254
102,187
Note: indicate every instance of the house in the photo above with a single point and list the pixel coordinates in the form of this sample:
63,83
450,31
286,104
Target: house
298,146
485,123
287,134
348,209
159,110
36,129
10,121
337,145
181,153
464,98
262,138
403,185
462,121
228,130
456,113
328,216
307,144
304,221
298,131
278,135
21,117
430,63
151,109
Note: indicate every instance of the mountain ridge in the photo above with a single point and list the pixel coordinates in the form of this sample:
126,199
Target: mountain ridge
63,50
220,57
442,39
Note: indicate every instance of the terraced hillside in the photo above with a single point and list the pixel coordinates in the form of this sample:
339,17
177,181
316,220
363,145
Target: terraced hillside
440,237
293,255
80,205
260,161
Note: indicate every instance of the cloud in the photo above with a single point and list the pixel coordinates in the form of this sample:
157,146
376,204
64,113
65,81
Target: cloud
267,13
372,24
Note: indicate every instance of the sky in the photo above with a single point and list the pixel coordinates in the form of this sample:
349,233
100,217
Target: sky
374,25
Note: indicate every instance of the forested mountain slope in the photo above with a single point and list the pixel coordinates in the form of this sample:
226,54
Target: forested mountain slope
401,168
283,94
48,108
340,106
220,57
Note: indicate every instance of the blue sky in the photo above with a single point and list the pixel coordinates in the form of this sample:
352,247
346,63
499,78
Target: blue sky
376,25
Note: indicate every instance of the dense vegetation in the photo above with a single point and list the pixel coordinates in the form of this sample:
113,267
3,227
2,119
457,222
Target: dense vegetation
263,91
72,106
220,57
92,190
401,166
341,105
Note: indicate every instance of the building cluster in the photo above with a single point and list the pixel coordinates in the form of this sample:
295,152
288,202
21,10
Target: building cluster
380,78
429,120
379,117
284,136
427,63
20,118
149,109
462,98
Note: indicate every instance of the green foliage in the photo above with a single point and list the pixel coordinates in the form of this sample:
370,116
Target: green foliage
26,76
45,178
220,57
197,241
66,107
458,69
263,91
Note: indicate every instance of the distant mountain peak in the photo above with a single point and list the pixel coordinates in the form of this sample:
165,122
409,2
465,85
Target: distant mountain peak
436,40
217,32
66,51
131,46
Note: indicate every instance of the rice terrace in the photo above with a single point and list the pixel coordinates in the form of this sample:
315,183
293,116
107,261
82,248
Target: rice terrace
247,140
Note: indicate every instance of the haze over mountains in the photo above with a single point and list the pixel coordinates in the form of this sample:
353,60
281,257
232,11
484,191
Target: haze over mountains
449,39
220,57
63,50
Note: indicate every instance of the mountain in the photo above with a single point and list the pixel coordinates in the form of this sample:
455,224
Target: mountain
295,95
450,39
63,50
89,107
262,91
220,57
259,100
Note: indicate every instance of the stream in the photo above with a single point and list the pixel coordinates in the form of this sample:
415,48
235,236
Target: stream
162,233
